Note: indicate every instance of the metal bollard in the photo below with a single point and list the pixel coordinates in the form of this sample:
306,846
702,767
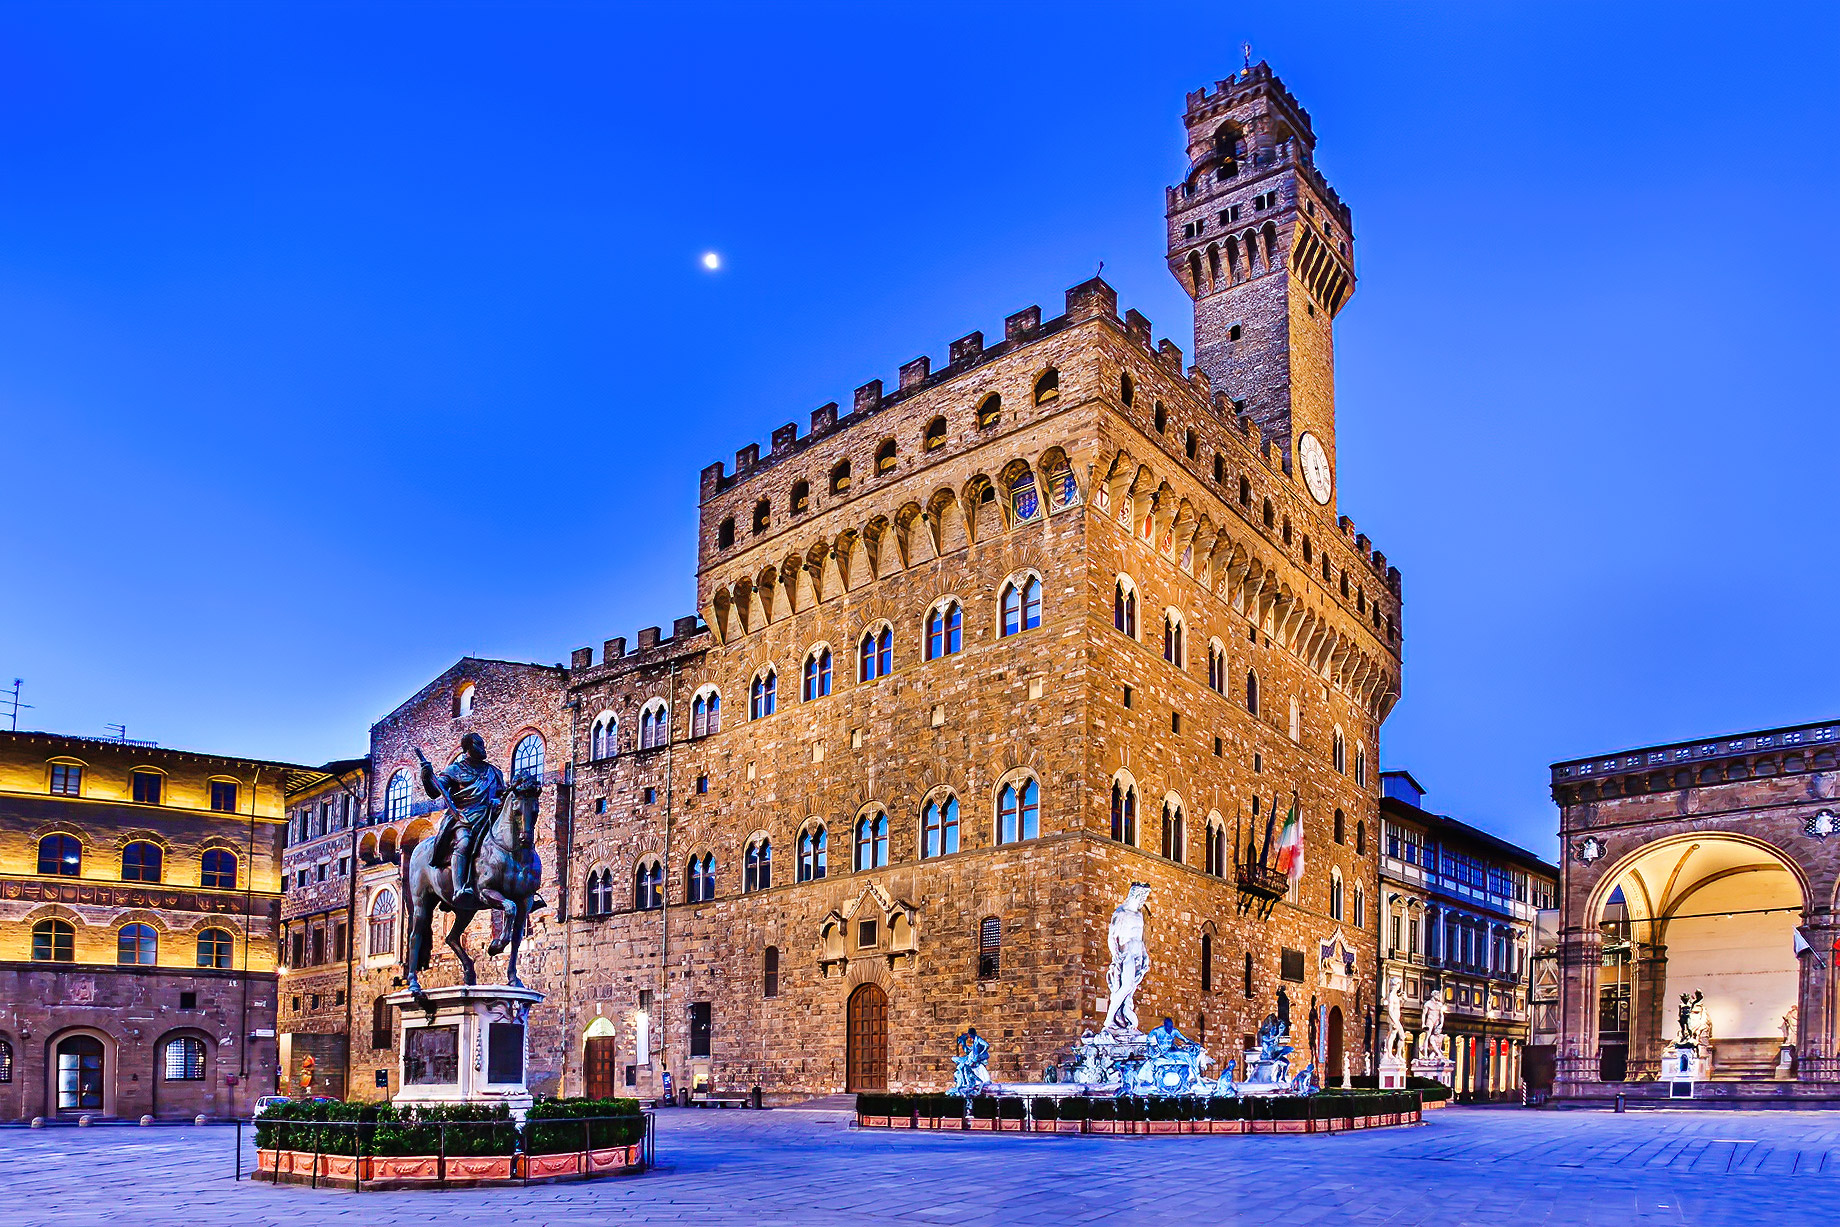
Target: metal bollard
1619,1101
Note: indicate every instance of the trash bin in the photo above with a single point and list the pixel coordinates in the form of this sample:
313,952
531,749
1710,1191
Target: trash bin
1619,1101
756,1097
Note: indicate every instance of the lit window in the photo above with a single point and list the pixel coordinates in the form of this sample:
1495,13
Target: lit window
876,652
944,630
1021,606
463,700
185,1060
818,674
935,437
61,855
939,826
990,411
396,798
217,869
383,923
141,862
136,946
1019,811
527,759
840,478
1048,387
884,457
872,841
763,698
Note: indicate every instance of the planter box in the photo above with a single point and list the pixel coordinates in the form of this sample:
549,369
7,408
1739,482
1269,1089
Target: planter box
409,1169
1005,1125
1226,1126
872,1122
926,1122
1070,1126
1293,1126
1164,1126
348,1168
548,1167
900,1122
981,1125
479,1167
1194,1126
613,1159
1103,1126
1045,1126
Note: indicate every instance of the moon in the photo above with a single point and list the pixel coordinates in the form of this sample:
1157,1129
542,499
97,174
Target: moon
711,261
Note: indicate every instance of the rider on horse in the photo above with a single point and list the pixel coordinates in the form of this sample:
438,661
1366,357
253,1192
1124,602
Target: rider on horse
475,792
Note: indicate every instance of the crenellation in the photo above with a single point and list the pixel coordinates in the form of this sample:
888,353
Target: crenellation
914,374
1022,325
784,438
823,419
966,350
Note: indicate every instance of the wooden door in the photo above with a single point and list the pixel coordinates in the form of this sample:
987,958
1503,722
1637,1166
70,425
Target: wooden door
868,1039
1332,1063
602,1069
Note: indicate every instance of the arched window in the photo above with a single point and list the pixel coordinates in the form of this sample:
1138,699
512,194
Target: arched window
1217,848
818,674
884,457
725,533
800,499
1217,667
216,948
1360,765
1159,417
1124,812
1360,906
1245,492
840,477
217,869
935,437
137,945
1019,810
605,738
700,878
1023,499
648,885
1341,828
1252,692
769,972
1335,894
1124,606
939,826
60,855
763,698
944,630
54,941
706,713
6,1061
757,871
654,725
1048,387
1127,390
814,854
1338,752
872,840
383,923
875,654
600,892
763,515
1360,837
990,411
396,798
1175,831
1207,962
527,759
1175,648
1021,605
141,862
463,699
184,1059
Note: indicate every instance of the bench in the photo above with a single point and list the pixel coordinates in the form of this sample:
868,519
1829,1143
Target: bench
719,1101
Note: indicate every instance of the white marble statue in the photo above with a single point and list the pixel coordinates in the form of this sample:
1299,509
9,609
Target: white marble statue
1431,1043
1395,1025
1788,1024
1130,960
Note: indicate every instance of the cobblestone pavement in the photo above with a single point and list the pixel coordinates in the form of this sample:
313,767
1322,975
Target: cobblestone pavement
1464,1166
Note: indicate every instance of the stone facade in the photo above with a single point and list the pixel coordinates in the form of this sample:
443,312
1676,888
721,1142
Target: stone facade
319,883
139,900
1458,915
1702,868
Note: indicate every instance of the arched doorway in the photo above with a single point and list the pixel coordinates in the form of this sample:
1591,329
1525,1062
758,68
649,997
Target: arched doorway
867,1056
1712,913
600,1059
79,1065
1332,1067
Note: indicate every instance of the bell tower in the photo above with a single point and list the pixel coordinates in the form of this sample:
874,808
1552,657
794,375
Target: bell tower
1265,247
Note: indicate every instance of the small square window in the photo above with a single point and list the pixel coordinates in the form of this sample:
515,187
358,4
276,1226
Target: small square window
1175,722
865,933
147,787
188,1001
702,783
650,795
600,805
223,796
1130,696
1216,747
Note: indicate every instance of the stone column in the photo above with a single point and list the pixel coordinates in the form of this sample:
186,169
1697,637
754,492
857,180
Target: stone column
1816,1057
1648,1031
1580,956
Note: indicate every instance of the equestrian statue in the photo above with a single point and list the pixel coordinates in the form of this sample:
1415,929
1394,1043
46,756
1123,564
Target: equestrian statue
481,856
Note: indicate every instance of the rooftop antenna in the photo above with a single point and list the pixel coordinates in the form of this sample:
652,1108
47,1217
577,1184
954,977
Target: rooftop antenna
10,700
120,731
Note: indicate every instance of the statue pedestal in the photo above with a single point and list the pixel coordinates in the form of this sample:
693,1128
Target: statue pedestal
1438,1068
1682,1065
1392,1074
465,1043
1785,1062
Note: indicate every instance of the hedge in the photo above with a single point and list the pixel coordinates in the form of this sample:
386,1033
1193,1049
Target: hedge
551,1126
1324,1105
343,1127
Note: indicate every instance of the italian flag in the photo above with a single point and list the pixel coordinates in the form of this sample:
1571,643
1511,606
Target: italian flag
1290,844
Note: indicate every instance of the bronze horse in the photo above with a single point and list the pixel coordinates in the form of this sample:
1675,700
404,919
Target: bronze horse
506,875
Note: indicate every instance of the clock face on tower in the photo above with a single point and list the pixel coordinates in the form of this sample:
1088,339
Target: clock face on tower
1315,467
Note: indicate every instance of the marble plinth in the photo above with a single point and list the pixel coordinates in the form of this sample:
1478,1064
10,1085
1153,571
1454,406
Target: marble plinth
1438,1069
1392,1074
465,1043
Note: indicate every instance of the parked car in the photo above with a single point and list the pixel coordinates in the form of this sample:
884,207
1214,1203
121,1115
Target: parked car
268,1101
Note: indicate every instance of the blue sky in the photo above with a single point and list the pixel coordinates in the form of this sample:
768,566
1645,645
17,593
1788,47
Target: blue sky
265,268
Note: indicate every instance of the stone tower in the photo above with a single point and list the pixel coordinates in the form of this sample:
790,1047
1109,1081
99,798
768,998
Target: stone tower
1264,246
